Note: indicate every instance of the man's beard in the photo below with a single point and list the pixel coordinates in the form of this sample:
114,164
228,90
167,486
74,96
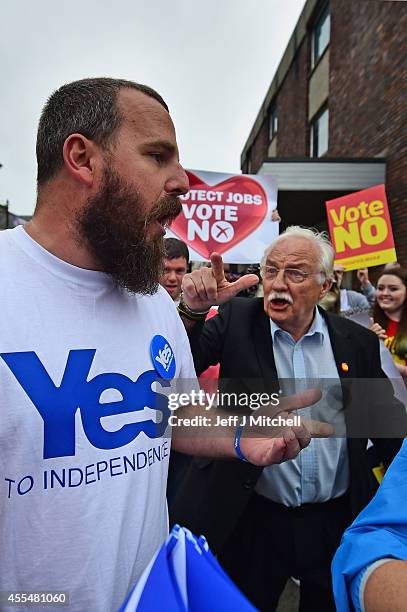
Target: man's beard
115,229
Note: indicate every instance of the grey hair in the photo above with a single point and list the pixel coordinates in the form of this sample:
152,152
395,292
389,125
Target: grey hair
319,239
88,107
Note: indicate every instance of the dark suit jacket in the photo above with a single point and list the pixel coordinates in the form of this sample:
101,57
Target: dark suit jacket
216,492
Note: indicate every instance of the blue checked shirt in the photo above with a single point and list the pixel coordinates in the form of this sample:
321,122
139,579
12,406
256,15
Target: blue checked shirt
321,471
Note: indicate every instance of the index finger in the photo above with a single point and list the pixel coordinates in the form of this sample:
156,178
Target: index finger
302,399
316,429
244,282
217,267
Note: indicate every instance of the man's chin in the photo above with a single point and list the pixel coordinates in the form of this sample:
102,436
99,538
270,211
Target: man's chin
171,290
278,313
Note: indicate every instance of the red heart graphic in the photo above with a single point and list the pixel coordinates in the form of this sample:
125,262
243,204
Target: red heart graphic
220,219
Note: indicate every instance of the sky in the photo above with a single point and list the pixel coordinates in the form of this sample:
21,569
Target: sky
211,60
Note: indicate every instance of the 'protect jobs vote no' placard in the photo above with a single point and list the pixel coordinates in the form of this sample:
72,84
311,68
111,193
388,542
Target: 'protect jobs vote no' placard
228,214
360,229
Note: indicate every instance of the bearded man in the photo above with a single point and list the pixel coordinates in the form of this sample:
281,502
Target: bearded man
83,375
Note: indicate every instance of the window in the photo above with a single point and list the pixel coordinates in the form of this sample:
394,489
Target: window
320,134
320,35
273,123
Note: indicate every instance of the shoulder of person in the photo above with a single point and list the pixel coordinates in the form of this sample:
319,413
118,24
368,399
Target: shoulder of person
356,296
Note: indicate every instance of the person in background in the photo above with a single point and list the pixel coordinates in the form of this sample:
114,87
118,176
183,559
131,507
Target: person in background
251,292
369,569
345,301
275,216
390,314
390,266
366,286
176,264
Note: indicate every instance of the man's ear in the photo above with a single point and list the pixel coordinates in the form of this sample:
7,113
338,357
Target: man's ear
325,287
81,157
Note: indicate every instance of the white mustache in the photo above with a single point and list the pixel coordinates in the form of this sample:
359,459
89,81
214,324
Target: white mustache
280,295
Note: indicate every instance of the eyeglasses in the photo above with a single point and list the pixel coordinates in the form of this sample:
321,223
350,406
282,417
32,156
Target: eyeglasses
291,274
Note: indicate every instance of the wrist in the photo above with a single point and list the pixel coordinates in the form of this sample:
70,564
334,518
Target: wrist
189,313
238,450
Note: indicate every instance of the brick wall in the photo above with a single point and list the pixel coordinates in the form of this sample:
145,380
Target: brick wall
292,108
367,98
260,146
368,94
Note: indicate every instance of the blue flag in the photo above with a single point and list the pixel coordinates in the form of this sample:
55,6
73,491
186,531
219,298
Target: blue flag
184,576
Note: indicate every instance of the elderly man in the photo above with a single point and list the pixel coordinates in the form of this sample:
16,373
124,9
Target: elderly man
287,520
83,410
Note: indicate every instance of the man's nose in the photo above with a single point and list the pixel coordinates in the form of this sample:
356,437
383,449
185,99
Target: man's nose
171,276
178,183
279,280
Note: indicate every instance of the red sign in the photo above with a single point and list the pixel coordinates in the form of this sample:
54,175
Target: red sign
217,217
360,229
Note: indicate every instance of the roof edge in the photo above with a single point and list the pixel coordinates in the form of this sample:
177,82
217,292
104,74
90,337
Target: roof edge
293,45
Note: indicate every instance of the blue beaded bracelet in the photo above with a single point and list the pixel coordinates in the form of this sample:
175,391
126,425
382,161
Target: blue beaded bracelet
238,450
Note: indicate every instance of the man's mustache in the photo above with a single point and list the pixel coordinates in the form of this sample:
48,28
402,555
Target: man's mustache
280,295
165,210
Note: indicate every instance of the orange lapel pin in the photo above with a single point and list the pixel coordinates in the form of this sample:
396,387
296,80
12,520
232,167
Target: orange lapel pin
344,366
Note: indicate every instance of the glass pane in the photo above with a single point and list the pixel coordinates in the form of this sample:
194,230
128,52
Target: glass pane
273,123
323,133
321,35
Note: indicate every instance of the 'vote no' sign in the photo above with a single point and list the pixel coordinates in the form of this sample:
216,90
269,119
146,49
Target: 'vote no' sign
222,211
360,229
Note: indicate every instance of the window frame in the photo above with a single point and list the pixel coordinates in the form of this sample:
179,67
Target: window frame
316,53
272,122
314,136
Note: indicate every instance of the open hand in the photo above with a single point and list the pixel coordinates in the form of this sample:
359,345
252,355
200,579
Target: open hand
267,445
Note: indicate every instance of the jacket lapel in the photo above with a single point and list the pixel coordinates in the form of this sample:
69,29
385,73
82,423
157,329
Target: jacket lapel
341,345
263,346
342,348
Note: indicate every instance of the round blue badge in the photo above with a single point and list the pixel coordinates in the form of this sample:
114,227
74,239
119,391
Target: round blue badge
163,357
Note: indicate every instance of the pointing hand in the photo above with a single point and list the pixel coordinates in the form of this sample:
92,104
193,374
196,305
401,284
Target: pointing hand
208,286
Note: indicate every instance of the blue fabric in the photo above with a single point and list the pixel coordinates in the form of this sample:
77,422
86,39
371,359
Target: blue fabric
379,532
160,590
354,590
208,586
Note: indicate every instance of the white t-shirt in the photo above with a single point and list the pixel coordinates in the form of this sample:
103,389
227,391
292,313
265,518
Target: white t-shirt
83,465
